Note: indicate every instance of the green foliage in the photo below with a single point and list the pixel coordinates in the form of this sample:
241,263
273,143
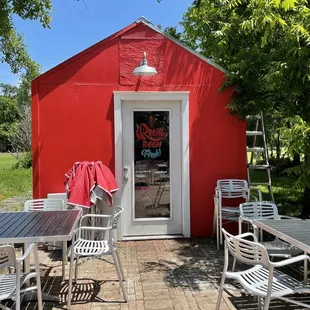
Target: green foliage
298,132
265,47
12,48
8,113
25,162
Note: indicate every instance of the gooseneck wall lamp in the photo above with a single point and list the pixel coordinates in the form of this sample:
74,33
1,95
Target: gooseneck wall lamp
144,69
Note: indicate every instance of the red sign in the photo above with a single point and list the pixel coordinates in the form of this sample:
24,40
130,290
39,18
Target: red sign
152,138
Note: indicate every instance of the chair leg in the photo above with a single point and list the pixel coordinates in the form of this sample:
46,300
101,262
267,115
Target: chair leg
219,297
38,279
70,278
119,274
234,265
214,223
266,303
120,264
76,268
217,232
221,226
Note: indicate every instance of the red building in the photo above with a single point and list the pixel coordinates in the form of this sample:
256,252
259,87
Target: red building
167,137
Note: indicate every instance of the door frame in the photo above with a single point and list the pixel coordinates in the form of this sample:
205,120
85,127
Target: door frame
166,96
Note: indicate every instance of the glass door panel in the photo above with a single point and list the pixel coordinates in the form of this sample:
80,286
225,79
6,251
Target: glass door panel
151,164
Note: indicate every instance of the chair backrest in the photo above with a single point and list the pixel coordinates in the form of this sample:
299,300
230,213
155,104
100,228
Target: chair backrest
62,196
259,210
7,256
247,252
44,205
233,188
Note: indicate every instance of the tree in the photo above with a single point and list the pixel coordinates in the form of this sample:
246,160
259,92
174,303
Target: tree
21,139
8,114
264,45
12,48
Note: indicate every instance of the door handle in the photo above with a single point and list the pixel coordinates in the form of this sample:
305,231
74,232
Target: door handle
125,173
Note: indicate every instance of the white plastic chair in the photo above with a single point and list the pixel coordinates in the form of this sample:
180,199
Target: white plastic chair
262,280
11,284
85,245
49,204
250,211
45,204
229,189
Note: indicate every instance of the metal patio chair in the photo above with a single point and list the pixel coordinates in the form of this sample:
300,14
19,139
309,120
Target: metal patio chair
229,189
90,245
12,285
263,279
250,211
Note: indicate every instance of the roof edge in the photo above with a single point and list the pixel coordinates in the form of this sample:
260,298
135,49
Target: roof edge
144,20
140,20
85,51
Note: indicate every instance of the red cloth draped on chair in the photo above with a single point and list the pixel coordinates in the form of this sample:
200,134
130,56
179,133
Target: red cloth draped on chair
88,181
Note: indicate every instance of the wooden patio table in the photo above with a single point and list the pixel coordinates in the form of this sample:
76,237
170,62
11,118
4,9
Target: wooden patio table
39,226
294,231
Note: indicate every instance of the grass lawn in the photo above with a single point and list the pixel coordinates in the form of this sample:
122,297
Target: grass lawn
13,182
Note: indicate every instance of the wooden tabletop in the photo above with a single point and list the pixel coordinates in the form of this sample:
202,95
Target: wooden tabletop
38,226
293,231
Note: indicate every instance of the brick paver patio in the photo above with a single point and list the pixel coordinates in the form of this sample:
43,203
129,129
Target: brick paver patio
160,274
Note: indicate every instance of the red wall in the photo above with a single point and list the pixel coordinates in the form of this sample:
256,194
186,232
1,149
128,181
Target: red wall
73,114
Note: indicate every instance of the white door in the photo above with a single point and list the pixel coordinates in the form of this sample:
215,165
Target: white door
152,176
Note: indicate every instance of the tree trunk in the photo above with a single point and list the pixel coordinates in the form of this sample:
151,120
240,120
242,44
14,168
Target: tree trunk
305,212
296,159
278,147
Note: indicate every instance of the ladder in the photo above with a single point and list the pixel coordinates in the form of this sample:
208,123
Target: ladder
257,145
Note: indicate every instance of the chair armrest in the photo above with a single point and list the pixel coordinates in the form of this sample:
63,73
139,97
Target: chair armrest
291,260
248,234
244,219
92,228
27,252
260,196
95,215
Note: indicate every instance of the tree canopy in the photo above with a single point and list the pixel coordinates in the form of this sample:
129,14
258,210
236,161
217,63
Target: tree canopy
12,48
264,45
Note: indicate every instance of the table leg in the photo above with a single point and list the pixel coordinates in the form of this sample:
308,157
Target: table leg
64,259
26,263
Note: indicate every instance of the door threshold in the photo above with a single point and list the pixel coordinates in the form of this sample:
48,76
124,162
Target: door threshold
154,237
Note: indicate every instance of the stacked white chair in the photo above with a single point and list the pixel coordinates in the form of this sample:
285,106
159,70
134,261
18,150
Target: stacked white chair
229,189
262,279
86,245
11,284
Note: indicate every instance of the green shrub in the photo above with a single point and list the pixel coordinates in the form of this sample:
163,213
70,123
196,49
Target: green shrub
25,161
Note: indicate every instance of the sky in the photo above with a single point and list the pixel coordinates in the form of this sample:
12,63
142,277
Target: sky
77,25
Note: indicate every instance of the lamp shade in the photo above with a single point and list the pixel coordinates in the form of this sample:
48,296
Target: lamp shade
144,69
